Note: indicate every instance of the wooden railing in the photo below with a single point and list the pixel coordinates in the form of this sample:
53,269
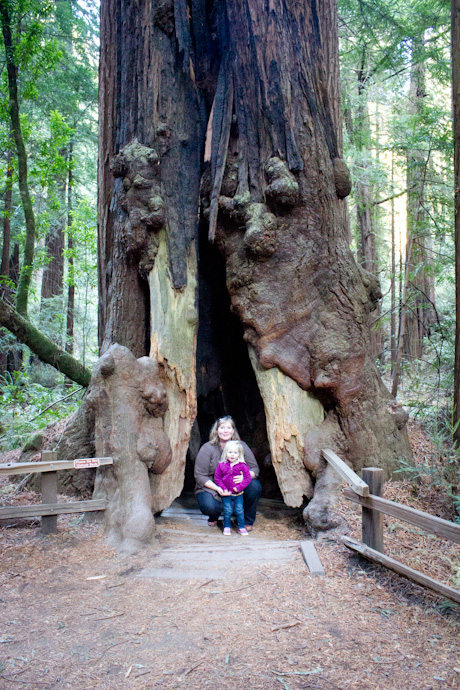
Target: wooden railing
367,492
49,509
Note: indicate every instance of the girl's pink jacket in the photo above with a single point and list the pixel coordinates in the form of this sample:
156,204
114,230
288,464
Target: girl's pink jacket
225,473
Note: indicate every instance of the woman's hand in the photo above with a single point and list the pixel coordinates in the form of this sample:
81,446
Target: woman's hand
223,492
238,478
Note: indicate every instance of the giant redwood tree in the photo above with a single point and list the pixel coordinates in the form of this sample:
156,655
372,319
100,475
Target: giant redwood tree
223,234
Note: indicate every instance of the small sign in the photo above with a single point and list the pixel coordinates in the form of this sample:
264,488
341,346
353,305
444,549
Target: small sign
83,463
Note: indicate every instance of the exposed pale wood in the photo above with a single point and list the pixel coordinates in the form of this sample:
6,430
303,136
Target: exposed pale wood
28,467
372,520
429,523
356,483
49,493
402,569
290,412
311,558
52,509
174,320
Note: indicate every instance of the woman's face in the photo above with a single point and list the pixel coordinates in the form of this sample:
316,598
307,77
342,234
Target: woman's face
225,431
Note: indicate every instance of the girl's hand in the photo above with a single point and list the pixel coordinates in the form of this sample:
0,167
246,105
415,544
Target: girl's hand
238,478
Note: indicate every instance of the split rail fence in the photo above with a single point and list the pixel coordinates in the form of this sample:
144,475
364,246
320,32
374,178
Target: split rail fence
367,492
49,509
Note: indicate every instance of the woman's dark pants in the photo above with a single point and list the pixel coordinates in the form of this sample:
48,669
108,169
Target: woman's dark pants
212,507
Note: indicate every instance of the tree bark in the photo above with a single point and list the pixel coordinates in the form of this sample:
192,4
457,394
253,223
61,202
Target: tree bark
44,348
151,139
70,262
266,81
25,276
291,277
7,206
53,273
5,357
456,110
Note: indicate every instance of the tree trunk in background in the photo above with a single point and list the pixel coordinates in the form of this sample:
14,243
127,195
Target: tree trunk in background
7,206
367,250
419,306
42,346
70,261
6,356
25,275
53,273
456,111
393,275
272,196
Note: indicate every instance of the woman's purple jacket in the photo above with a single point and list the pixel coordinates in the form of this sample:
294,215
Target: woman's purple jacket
225,473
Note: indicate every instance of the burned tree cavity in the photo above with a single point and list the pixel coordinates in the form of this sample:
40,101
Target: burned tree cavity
223,236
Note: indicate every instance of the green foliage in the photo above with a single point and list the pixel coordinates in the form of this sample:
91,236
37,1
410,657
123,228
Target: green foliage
28,406
56,52
396,134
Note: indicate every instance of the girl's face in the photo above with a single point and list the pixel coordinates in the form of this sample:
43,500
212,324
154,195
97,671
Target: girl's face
225,431
232,455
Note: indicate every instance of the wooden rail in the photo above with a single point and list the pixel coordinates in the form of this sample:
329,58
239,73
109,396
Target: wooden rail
402,569
49,509
429,523
52,466
342,469
373,505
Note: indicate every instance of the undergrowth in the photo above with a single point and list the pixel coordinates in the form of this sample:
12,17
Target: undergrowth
28,406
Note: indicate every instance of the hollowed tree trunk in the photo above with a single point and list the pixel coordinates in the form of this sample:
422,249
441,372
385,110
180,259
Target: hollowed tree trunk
258,84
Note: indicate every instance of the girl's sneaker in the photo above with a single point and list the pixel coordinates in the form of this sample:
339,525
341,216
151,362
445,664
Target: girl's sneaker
243,531
228,531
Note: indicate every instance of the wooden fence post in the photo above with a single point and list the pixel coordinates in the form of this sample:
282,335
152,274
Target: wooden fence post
49,493
373,519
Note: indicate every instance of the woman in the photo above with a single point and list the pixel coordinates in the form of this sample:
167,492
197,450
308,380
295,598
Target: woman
207,492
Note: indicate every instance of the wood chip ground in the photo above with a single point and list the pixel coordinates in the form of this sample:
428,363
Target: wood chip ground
75,615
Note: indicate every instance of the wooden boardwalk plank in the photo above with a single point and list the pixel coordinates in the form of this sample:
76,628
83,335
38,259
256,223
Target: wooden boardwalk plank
311,558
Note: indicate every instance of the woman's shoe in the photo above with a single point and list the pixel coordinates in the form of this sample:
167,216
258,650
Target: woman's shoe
243,531
212,523
227,531
248,528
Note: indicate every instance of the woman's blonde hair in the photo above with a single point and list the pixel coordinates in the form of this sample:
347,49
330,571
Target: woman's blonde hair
214,436
237,445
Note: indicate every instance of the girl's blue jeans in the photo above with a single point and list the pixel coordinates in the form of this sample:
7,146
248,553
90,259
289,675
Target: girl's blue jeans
233,504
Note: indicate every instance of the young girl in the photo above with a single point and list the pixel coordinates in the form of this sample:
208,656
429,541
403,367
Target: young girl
231,464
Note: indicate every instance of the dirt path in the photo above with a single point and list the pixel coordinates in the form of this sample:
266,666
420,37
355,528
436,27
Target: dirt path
194,611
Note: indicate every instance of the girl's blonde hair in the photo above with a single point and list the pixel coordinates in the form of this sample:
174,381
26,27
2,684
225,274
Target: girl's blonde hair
238,445
213,435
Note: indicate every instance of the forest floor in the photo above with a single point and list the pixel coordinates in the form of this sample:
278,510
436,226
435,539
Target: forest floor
196,610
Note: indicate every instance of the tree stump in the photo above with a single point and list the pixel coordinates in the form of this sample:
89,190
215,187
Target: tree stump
129,402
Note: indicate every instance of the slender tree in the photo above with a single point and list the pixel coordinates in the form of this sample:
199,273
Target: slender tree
456,109
22,293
